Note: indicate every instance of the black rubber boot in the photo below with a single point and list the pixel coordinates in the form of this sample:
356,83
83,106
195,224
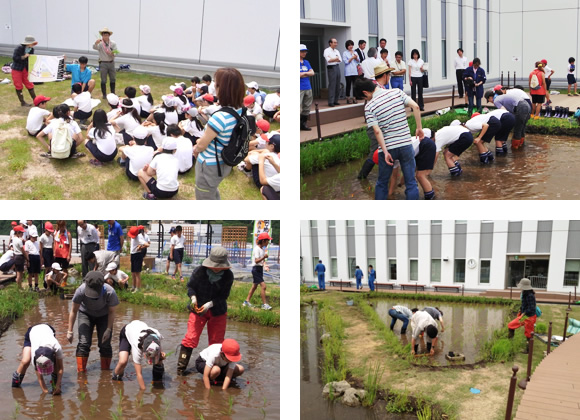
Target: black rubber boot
104,90
17,379
511,333
303,121
416,348
183,360
403,331
158,371
21,98
117,377
366,169
112,87
428,347
32,93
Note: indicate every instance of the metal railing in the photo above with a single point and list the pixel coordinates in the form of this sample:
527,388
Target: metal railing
539,282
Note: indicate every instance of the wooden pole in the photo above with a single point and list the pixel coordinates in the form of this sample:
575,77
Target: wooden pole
566,324
462,290
512,391
524,382
453,98
550,338
569,300
508,79
510,292
318,121
502,77
515,79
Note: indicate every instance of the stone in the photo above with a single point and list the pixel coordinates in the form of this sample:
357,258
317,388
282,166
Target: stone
350,398
338,388
324,336
361,393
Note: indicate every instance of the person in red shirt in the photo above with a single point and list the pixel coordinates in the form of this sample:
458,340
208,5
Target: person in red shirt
538,91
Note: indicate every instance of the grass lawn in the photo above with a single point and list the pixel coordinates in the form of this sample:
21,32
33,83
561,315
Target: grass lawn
27,176
365,343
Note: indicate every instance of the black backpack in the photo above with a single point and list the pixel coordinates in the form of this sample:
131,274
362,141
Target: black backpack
237,149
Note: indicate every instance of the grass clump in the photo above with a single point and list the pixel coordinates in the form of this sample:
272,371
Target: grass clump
398,402
541,328
441,298
14,302
503,349
334,362
17,154
372,383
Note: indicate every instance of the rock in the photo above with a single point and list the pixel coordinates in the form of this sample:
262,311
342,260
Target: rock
73,272
361,393
338,388
324,336
350,398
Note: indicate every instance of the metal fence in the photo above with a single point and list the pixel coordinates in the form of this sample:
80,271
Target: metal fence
539,282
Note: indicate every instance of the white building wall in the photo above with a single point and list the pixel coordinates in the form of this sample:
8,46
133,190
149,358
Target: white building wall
424,251
558,256
388,24
323,247
447,251
360,242
498,271
529,236
341,250
472,252
402,241
382,262
306,243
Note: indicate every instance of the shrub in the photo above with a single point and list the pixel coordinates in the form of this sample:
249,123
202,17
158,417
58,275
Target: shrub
541,328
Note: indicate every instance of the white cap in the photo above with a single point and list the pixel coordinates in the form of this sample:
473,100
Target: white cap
168,100
140,132
455,122
169,143
23,222
56,266
253,85
144,88
34,235
303,47
193,111
427,132
113,99
112,266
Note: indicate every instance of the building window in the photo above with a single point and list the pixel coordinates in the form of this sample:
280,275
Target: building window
373,16
484,269
424,52
460,23
331,223
460,271
414,270
392,269
571,272
351,267
461,44
444,58
401,27
391,222
413,222
314,263
435,271
373,262
350,223
435,222
374,41
313,224
370,222
333,268
338,11
460,222
444,38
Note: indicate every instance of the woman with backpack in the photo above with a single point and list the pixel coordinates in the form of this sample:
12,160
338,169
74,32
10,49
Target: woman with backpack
527,315
538,89
58,139
210,168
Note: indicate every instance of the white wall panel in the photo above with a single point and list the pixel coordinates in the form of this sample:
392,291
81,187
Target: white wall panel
124,23
529,236
25,22
76,35
558,256
306,245
6,23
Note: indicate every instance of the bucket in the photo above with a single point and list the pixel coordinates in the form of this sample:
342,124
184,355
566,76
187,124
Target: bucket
350,302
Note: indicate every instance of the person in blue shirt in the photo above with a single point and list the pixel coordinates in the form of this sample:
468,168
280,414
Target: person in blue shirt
358,275
305,88
320,269
81,74
372,276
474,77
116,237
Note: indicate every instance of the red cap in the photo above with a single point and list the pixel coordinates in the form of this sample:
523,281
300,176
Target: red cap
141,227
475,114
264,235
231,349
497,87
18,228
48,226
263,125
249,100
133,231
40,99
14,224
470,63
209,98
544,62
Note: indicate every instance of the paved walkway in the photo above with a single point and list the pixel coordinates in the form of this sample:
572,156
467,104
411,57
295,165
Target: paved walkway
553,392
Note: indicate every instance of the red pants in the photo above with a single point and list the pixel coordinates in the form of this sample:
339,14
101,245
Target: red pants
216,329
528,323
21,77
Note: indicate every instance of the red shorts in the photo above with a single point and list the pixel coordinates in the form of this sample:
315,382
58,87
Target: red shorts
528,323
216,329
21,77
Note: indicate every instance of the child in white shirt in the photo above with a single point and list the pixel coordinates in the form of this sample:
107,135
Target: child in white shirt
38,116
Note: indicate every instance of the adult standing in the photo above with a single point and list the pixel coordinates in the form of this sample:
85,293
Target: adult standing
548,72
62,246
368,66
538,89
461,63
383,46
209,288
416,77
107,49
351,62
361,50
94,303
332,57
20,68
116,237
358,275
89,238
527,310
398,75
372,277
474,78
385,114
306,72
319,270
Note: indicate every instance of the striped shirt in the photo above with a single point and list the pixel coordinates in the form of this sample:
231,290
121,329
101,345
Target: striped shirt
223,124
387,110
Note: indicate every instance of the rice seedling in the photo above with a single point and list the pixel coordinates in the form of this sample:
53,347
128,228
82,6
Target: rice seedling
398,402
82,395
424,413
372,384
263,413
249,393
16,411
230,404
93,409
115,416
334,363
200,416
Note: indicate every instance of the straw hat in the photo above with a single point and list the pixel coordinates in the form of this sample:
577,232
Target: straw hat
105,29
382,68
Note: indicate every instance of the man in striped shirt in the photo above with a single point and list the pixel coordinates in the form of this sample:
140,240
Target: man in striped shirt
385,114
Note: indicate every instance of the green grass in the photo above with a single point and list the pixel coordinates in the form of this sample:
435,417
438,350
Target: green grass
14,302
51,179
334,362
372,383
439,298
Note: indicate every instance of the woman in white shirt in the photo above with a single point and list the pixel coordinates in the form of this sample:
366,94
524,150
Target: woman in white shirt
461,63
101,141
416,77
351,62
127,121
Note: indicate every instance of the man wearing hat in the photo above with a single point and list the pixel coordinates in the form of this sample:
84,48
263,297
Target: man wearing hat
107,49
259,256
20,68
89,237
141,341
218,363
319,270
209,288
305,88
94,302
527,315
41,347
56,278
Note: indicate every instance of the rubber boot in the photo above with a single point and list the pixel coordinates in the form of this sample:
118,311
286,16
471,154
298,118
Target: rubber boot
428,347
303,121
403,331
112,87
104,90
32,93
21,98
106,363
184,355
522,141
430,195
366,169
82,364
117,377
511,333
17,379
504,147
566,112
416,348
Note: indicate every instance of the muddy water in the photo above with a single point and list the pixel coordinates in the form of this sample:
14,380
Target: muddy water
544,169
313,406
467,327
255,395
